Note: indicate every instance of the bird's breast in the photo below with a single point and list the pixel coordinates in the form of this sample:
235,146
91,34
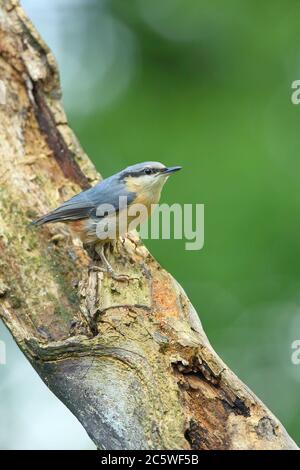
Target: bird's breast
147,199
91,230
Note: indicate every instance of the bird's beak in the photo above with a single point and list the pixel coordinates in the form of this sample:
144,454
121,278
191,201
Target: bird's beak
171,169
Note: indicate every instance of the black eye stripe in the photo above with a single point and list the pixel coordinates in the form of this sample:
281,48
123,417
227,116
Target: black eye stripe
147,171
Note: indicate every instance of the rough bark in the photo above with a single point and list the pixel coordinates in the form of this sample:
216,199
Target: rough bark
131,361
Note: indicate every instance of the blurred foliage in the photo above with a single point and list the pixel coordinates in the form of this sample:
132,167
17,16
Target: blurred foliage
206,85
211,91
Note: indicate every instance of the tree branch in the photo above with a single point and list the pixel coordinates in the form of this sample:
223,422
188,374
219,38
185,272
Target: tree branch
131,361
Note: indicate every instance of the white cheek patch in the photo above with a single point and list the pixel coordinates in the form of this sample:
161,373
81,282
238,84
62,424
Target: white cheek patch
146,180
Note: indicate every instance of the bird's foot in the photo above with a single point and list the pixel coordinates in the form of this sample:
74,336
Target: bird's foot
112,273
107,268
95,268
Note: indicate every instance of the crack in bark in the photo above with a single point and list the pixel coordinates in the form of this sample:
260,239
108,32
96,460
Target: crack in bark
61,151
197,436
238,407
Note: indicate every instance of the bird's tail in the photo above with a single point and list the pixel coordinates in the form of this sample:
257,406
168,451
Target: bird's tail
44,219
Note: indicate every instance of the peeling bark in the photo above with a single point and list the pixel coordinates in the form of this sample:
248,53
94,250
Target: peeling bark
131,361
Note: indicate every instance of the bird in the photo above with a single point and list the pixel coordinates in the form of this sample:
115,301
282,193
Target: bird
95,214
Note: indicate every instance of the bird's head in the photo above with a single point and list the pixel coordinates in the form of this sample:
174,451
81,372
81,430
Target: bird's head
147,176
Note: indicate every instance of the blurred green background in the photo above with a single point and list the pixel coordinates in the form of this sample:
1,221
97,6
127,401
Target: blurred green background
205,85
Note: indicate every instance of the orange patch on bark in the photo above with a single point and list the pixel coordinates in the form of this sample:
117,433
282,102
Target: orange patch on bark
164,298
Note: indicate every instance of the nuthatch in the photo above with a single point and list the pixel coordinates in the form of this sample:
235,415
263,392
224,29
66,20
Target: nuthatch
137,184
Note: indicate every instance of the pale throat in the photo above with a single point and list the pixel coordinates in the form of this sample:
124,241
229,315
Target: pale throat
146,193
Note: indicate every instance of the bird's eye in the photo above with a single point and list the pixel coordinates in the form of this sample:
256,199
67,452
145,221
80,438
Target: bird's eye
147,171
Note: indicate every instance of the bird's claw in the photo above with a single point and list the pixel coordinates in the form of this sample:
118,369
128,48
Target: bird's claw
112,274
96,269
122,277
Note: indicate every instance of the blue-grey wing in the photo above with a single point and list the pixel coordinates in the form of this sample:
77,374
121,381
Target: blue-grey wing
110,192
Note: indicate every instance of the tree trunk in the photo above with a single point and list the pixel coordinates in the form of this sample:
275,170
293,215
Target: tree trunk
130,360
